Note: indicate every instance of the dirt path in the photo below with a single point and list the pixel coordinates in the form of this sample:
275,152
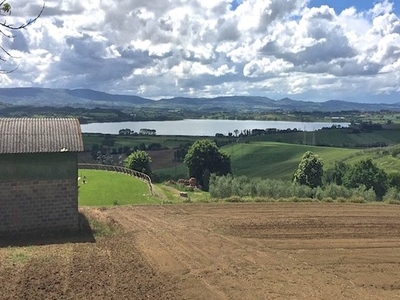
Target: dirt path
220,251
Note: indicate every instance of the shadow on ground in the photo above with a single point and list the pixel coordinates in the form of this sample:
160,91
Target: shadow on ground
83,235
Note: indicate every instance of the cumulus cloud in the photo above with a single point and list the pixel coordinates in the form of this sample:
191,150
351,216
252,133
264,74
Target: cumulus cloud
208,48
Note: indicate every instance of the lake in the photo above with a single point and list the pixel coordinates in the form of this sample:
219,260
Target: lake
202,127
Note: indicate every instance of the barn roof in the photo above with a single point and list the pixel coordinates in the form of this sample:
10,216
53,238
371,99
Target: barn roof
44,135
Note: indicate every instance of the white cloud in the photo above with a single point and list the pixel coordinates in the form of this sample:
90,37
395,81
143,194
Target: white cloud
172,48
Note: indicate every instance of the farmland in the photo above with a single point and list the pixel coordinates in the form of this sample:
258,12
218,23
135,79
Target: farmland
279,160
272,250
273,156
268,159
218,251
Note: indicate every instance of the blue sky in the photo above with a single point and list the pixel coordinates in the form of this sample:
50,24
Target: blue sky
340,5
204,48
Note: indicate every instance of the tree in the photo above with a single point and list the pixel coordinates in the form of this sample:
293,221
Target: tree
204,158
6,29
309,171
336,174
139,161
366,173
394,180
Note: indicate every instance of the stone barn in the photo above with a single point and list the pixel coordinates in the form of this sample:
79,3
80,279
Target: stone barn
38,175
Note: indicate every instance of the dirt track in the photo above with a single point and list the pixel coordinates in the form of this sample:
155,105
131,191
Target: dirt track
222,251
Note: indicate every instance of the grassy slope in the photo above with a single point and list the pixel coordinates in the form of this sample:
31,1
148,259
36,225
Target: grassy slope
271,159
384,161
262,159
171,194
278,160
337,138
103,188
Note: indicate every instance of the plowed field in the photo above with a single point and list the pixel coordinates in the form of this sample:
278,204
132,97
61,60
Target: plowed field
221,251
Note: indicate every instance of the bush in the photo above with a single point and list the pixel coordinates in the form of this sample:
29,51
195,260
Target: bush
393,194
223,187
394,180
364,193
366,173
139,161
235,199
227,186
357,200
396,202
333,191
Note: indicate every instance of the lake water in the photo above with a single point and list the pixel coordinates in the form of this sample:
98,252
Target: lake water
202,127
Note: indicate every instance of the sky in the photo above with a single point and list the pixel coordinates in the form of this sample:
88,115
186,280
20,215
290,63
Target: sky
311,50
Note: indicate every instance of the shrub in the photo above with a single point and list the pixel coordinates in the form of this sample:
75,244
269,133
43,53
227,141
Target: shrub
223,187
333,191
366,173
235,199
393,194
357,200
364,193
139,161
396,202
394,180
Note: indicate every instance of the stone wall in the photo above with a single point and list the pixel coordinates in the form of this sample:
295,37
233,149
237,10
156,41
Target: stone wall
38,206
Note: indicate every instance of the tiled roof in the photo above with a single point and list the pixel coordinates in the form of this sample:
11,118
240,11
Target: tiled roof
35,135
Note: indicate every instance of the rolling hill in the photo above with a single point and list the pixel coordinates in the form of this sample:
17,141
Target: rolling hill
279,160
86,98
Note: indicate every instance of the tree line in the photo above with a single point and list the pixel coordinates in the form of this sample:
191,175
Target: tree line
363,181
211,168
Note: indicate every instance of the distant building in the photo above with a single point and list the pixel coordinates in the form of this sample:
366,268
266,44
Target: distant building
38,175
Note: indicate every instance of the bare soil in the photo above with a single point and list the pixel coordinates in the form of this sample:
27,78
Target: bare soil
219,251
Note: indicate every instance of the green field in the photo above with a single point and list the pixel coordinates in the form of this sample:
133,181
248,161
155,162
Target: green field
276,156
103,188
257,159
270,159
333,138
279,160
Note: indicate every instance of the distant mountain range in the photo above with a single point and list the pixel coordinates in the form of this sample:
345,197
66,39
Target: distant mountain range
90,99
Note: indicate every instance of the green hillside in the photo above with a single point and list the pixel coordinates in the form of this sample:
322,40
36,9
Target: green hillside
103,188
270,159
278,160
333,138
